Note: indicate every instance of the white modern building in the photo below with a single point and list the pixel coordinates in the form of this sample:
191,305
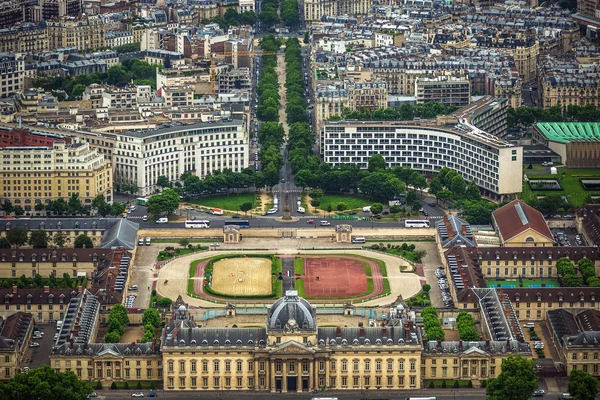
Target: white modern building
494,164
141,157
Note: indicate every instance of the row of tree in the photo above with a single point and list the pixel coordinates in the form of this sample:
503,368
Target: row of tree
432,325
72,206
232,18
140,72
566,268
526,116
117,319
151,321
290,13
39,239
38,282
466,327
269,16
405,112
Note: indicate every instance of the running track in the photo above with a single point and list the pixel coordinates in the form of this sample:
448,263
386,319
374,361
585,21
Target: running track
378,287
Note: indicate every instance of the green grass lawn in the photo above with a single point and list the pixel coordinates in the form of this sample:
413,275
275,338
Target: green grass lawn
351,201
299,266
300,287
449,383
230,202
164,255
570,183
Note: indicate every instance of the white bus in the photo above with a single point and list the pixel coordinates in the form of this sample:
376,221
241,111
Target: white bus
416,223
199,224
422,398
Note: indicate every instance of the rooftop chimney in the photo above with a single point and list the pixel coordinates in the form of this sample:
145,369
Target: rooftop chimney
14,289
487,344
362,332
79,289
338,332
460,345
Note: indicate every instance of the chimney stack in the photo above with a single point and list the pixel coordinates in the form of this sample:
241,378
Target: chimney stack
14,289
362,332
338,332
384,331
487,344
439,344
79,289
460,345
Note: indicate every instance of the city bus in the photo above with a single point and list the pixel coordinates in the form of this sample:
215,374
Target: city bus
242,223
198,224
416,223
141,201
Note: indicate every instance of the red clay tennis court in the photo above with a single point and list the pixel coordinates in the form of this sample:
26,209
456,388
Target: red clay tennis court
333,277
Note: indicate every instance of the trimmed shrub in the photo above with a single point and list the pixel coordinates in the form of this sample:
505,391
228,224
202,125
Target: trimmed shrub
456,384
431,385
126,385
470,384
113,385
444,384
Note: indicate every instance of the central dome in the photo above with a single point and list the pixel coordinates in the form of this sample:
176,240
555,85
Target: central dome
292,313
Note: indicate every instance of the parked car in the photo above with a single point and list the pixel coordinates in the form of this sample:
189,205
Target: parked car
535,338
310,221
93,394
138,394
529,325
538,393
34,344
152,394
145,218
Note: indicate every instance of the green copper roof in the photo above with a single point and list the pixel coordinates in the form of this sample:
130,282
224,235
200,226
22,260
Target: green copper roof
566,132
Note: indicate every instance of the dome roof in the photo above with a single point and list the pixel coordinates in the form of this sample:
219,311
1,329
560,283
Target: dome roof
292,313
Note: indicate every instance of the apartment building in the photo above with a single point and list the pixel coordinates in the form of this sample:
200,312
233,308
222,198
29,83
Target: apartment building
12,73
46,304
315,9
566,82
120,98
493,164
31,175
291,354
177,96
446,89
76,263
370,95
84,33
141,157
118,38
246,5
163,57
24,38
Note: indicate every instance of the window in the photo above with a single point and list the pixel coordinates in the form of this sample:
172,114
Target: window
227,366
250,366
181,366
205,367
216,382
216,366
193,366
193,382
355,365
277,366
238,366
182,382
574,356
413,380
292,366
304,366
344,365
412,365
170,365
367,365
401,365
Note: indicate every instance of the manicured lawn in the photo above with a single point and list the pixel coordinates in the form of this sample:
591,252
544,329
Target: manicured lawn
230,202
164,255
299,266
300,287
572,187
351,201
420,300
513,283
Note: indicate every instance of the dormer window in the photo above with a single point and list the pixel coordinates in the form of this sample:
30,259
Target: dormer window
8,226
94,257
592,296
560,297
76,225
14,254
50,298
532,255
29,296
581,296
61,298
21,257
539,296
479,255
74,256
3,257
44,257
42,225
517,297
515,255
497,255
7,298
33,257
549,255
64,257
59,225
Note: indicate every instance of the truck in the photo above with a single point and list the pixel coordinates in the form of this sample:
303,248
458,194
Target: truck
217,211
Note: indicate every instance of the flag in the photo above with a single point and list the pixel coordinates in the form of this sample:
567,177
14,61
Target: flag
288,273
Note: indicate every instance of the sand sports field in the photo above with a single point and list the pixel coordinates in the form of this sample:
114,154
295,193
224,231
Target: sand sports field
242,276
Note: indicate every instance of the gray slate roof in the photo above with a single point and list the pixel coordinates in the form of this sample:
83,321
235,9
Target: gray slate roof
118,349
123,233
54,224
361,336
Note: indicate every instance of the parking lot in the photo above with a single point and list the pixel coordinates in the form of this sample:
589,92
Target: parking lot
37,357
568,237
444,286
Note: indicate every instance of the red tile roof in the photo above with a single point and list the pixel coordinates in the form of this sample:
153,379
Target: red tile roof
516,217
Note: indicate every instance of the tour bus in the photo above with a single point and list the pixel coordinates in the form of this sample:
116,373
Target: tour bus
241,223
358,240
197,224
416,223
141,201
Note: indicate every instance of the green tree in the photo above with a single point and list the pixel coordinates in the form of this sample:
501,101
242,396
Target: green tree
112,337
117,209
45,383
184,242
376,163
341,206
426,288
74,206
582,385
517,381
18,210
245,207
148,333
59,239
40,206
458,185
164,302
77,92
551,203
152,317
473,193
394,209
571,280
83,241
564,266
38,239
7,207
17,236
376,208
5,243
166,202
100,204
163,181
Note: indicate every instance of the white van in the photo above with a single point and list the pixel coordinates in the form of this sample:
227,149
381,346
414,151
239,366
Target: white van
325,223
162,220
358,240
367,209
